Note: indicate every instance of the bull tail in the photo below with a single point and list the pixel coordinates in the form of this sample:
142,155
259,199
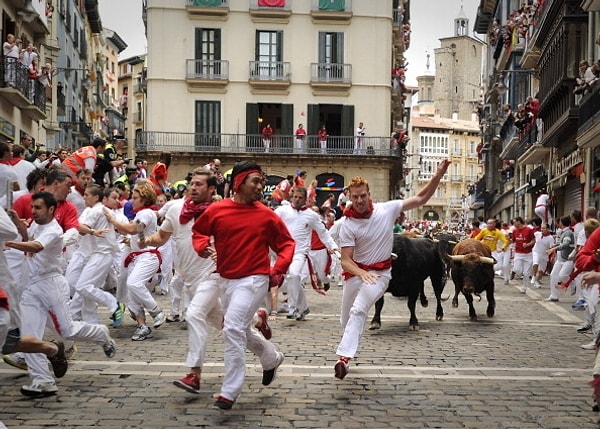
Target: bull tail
478,295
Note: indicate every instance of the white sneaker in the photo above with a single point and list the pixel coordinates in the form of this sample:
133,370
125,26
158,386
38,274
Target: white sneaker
523,289
159,319
589,346
537,285
40,389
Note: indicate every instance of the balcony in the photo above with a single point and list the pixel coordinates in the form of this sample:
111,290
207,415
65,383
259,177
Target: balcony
533,151
207,73
331,11
270,11
331,76
274,75
36,110
208,9
153,141
589,113
510,139
14,83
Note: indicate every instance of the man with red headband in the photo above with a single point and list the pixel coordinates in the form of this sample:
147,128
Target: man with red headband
244,230
366,240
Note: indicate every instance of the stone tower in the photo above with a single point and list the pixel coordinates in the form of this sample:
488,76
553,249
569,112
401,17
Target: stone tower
426,101
458,72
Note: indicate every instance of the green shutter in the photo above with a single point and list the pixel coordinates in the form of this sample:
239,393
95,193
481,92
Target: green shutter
348,120
209,3
332,5
252,140
313,125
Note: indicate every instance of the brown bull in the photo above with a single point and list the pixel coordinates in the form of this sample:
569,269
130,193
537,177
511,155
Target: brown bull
472,274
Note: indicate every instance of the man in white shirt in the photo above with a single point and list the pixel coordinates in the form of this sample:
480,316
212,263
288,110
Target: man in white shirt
46,298
366,240
301,221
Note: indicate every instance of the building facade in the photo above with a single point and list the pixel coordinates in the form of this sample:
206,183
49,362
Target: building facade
317,63
534,53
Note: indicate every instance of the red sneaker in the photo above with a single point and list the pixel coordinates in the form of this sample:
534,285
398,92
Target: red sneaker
189,383
341,368
223,403
264,329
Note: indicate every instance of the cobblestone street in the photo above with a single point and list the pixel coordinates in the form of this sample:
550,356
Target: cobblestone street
522,369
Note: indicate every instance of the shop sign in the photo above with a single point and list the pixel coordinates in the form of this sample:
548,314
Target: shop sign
563,166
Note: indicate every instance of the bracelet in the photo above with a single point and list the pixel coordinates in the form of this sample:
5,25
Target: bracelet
273,313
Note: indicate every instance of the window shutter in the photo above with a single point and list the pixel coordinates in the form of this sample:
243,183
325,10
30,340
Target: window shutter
347,120
332,4
279,46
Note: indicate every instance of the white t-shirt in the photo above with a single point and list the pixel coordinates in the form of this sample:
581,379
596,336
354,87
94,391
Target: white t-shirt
77,199
22,169
542,243
372,238
95,219
7,173
148,218
301,223
188,264
50,260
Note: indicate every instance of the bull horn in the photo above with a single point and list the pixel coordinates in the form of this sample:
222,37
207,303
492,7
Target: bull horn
453,242
457,258
486,260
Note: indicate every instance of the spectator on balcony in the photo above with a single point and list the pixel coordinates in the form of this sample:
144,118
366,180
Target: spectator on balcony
31,151
10,49
523,118
29,55
322,133
33,73
586,76
300,135
508,113
358,141
160,173
267,133
215,167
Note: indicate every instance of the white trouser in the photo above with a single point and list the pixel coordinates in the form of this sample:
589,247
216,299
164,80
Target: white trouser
48,299
89,279
139,275
295,289
205,308
522,263
166,266
175,292
319,260
541,260
4,325
299,145
323,144
560,273
543,212
357,299
241,298
502,262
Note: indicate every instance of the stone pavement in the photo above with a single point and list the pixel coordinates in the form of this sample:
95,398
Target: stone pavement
524,368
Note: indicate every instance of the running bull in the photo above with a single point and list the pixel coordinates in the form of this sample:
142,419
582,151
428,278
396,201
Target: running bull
418,258
472,274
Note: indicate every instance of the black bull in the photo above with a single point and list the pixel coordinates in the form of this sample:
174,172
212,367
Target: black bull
418,258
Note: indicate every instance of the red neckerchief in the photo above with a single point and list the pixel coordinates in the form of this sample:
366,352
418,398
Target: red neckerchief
351,212
15,160
301,209
78,189
4,162
152,207
191,210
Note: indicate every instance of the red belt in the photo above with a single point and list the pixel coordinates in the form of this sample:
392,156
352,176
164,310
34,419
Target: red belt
129,259
377,266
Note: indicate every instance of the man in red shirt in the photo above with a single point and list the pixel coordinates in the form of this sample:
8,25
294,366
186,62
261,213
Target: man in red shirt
524,239
244,230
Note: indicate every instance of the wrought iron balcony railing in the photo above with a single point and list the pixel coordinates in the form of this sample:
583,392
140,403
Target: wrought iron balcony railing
207,69
149,141
331,72
270,70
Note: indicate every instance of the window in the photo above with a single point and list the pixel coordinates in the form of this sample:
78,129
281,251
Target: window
456,148
269,53
208,51
331,55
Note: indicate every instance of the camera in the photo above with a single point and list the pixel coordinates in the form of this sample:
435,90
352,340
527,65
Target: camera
126,160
